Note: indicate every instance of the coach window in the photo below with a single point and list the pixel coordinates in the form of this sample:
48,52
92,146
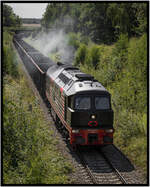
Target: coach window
82,103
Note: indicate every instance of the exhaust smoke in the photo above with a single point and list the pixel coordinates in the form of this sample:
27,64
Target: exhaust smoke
54,45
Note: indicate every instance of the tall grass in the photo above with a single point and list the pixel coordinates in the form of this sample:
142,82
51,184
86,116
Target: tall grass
9,62
30,147
122,69
30,153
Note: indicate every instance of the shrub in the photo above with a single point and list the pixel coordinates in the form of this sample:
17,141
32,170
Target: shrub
121,50
9,58
74,39
93,56
122,69
81,55
122,44
30,154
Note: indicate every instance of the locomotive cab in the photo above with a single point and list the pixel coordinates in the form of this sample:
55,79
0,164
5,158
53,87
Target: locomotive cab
91,118
93,110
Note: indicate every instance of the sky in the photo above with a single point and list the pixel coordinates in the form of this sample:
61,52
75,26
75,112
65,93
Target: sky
28,10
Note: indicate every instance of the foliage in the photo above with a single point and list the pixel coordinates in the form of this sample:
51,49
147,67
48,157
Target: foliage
123,17
81,54
141,15
93,56
9,18
74,39
30,154
102,22
9,59
122,69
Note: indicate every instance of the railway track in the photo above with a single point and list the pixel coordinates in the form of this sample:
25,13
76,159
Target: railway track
96,164
99,168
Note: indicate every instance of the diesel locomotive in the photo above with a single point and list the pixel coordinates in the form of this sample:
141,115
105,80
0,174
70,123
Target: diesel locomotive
82,105
78,102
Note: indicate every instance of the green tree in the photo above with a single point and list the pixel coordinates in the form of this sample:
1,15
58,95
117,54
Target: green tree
141,17
102,22
129,18
9,18
81,54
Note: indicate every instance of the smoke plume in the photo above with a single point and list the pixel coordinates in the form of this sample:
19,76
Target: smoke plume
53,44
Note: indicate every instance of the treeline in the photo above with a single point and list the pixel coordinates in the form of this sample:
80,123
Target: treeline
9,17
102,22
10,20
31,20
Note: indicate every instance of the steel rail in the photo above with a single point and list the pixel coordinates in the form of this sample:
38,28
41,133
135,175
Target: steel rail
86,167
116,170
29,56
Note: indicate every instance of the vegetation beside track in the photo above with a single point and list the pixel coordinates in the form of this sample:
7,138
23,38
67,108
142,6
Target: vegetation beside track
30,154
122,69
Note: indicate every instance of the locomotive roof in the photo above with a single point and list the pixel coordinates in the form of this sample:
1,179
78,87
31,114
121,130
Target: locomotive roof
72,80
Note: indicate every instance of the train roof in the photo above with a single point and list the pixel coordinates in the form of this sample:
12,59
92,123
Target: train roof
72,80
40,61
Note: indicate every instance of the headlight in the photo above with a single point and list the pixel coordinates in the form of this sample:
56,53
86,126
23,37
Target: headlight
93,116
109,130
75,131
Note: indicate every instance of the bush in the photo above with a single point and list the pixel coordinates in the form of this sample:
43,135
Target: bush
93,56
122,43
74,39
30,154
122,69
121,49
81,55
133,85
9,58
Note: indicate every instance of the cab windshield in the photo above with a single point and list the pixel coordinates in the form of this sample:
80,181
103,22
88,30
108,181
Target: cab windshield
102,103
83,103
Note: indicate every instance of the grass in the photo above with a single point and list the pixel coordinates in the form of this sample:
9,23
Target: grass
122,70
30,152
30,147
